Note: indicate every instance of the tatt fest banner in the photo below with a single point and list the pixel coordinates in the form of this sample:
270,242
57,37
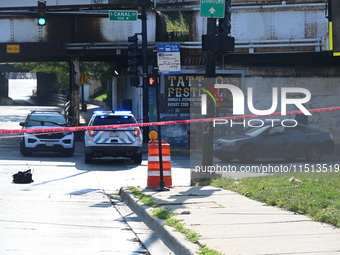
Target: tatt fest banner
184,91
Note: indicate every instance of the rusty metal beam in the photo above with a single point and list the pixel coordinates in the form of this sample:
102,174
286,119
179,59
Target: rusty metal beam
73,7
118,6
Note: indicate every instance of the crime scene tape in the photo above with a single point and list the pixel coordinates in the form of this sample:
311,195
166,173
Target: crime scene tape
160,123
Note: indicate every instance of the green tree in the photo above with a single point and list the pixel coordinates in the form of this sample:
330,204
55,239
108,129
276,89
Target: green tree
177,22
61,69
102,71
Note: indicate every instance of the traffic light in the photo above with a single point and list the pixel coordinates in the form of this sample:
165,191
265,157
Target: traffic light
220,43
41,13
133,60
152,81
224,25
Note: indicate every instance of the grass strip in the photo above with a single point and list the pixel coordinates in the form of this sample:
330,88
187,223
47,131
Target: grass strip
316,195
178,225
142,197
206,251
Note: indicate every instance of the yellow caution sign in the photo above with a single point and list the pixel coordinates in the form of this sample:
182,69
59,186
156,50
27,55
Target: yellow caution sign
83,78
12,48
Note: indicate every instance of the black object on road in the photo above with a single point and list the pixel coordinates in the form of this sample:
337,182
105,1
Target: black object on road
23,177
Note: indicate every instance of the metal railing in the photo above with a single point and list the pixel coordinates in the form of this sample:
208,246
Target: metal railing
318,43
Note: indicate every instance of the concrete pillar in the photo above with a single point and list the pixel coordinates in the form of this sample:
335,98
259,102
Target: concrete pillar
74,89
41,85
3,85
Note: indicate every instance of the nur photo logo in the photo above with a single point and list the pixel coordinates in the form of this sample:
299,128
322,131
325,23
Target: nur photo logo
238,107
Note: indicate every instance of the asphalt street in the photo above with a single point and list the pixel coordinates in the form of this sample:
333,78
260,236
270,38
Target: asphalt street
71,207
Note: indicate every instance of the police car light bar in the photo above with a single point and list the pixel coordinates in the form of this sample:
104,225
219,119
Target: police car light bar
100,112
122,112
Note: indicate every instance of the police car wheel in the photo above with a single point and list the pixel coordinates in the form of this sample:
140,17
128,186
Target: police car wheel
69,152
137,158
88,157
23,149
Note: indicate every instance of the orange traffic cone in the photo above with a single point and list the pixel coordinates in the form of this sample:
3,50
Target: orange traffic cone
154,164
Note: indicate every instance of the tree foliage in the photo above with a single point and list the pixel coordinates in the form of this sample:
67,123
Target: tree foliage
61,70
177,22
102,71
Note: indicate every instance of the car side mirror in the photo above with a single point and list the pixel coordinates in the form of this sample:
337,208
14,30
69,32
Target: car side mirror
22,124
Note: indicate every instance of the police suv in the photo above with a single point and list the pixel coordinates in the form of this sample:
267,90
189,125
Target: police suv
116,142
62,142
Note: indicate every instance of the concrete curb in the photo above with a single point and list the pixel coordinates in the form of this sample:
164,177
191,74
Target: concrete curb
174,240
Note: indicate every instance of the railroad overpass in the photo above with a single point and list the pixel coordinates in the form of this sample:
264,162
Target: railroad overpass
85,31
266,27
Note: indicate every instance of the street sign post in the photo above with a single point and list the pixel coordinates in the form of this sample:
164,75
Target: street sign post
169,58
123,15
83,78
212,8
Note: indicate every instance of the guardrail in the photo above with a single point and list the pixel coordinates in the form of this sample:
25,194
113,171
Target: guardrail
62,101
67,106
289,45
58,98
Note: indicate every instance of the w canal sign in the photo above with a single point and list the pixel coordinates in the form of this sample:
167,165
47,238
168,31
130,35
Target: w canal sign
212,8
123,15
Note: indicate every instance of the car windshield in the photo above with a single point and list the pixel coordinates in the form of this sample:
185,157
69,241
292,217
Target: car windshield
112,120
253,131
46,120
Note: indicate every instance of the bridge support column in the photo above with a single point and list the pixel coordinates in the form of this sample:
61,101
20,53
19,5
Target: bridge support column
4,99
74,89
3,85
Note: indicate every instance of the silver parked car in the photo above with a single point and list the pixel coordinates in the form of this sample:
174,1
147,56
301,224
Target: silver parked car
274,141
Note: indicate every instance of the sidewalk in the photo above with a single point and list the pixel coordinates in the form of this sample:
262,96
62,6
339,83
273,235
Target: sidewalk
233,224
84,117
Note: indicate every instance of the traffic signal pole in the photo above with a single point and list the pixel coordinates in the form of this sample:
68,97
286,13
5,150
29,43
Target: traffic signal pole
208,129
160,151
144,5
217,39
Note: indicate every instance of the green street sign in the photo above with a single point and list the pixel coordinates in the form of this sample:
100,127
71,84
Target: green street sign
212,8
123,15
